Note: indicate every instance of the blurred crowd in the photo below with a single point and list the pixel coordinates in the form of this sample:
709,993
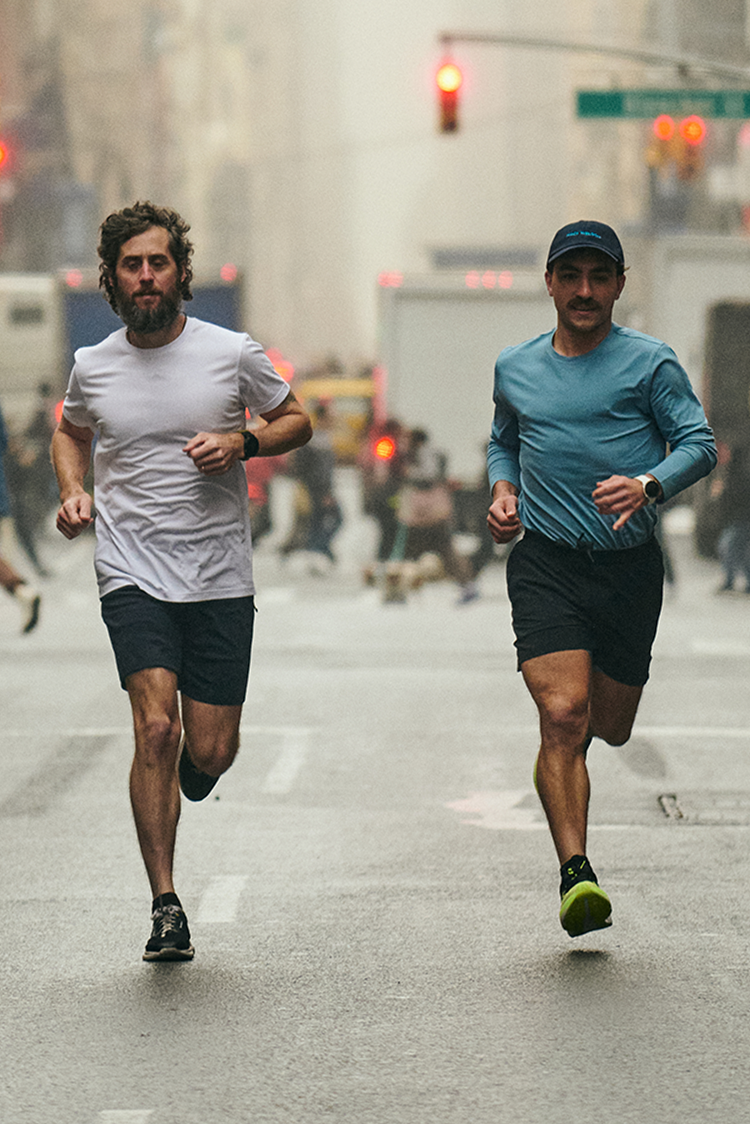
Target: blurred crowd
428,527
420,512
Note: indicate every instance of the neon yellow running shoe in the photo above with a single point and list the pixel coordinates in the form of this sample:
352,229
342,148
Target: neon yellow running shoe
584,906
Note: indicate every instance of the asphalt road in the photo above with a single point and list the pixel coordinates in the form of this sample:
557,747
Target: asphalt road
372,892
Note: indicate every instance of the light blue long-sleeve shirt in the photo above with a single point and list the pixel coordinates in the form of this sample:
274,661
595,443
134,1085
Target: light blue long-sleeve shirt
563,424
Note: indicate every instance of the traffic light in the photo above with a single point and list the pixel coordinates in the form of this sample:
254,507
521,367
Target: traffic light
677,148
693,133
448,79
664,127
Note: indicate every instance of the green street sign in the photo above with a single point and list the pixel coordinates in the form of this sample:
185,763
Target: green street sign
650,103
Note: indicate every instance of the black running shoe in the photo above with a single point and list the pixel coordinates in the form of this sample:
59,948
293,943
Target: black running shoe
170,935
195,784
584,906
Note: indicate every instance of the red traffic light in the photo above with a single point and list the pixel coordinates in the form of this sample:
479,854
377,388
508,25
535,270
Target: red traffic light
449,80
693,130
5,155
664,127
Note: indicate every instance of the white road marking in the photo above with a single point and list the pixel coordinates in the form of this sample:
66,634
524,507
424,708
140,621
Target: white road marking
498,812
220,900
691,732
294,749
295,745
125,1116
274,729
74,732
300,731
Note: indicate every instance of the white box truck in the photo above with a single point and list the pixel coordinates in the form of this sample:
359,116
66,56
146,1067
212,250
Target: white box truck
440,335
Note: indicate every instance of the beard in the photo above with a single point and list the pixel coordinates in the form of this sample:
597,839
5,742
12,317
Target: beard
144,321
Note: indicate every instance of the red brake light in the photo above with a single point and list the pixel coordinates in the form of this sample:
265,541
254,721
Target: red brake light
384,448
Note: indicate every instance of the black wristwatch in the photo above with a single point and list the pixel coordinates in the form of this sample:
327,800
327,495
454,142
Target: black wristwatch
252,444
651,488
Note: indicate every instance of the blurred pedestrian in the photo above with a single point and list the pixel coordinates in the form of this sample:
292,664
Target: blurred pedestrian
259,472
317,512
26,469
733,495
167,396
577,458
382,460
28,598
31,479
318,465
425,513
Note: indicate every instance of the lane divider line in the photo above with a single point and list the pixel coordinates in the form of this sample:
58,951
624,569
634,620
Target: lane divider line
125,1116
295,746
221,899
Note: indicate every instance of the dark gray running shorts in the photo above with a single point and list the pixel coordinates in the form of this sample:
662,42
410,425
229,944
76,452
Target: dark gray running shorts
206,644
606,602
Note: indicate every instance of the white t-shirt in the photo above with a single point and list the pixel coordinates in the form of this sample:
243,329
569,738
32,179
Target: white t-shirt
161,524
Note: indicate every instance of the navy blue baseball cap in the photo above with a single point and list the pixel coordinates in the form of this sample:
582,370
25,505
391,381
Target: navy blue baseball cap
586,235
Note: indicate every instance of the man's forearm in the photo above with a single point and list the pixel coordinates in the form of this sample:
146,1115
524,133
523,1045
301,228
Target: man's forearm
282,434
70,459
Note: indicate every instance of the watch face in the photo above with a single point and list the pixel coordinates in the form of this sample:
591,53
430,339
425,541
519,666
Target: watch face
651,488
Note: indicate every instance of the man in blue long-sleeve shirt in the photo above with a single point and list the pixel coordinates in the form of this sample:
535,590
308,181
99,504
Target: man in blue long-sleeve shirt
577,460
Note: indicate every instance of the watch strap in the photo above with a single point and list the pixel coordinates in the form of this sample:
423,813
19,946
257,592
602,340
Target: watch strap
251,445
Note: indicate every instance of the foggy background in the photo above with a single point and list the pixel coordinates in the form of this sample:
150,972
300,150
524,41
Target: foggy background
300,140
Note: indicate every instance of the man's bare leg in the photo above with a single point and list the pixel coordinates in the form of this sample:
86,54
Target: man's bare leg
560,685
154,791
9,578
613,708
213,734
575,702
212,739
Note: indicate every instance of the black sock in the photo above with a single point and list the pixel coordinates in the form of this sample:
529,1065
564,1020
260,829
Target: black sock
166,899
575,861
576,869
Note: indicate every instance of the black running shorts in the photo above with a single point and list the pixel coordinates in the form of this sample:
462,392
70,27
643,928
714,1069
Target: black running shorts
605,602
206,644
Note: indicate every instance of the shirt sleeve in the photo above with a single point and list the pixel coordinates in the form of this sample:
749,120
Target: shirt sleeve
504,444
261,387
682,422
74,405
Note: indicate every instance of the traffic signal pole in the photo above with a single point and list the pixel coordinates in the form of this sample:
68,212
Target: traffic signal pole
683,63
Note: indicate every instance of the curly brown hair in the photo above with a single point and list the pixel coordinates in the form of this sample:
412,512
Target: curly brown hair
120,226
